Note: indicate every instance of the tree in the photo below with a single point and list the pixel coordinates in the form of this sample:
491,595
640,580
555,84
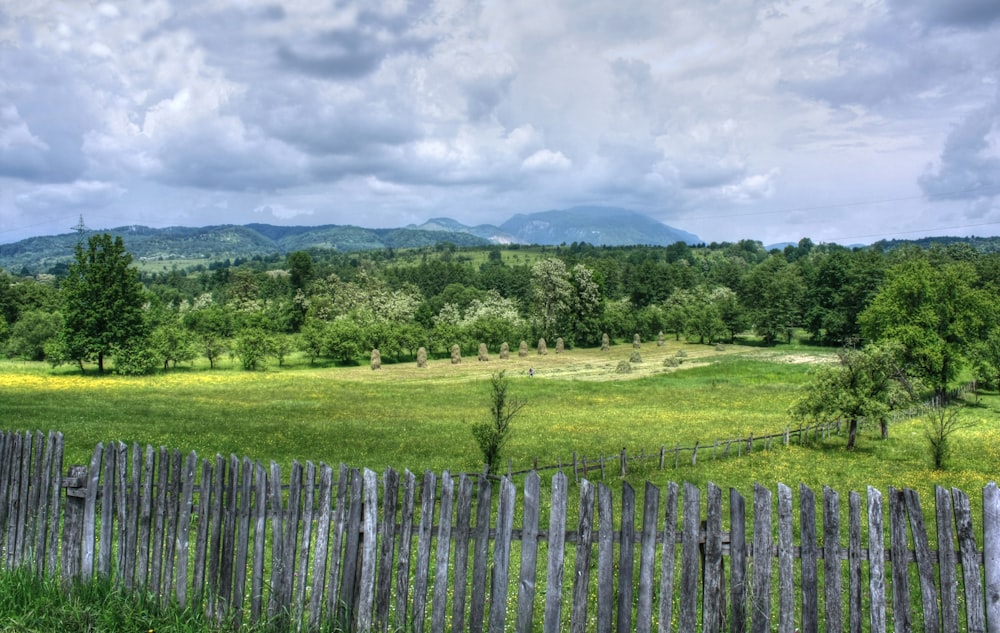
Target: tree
551,293
941,423
103,302
32,331
935,312
492,435
773,293
866,383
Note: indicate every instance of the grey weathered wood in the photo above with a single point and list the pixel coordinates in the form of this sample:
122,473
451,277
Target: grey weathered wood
89,514
369,561
387,543
146,521
876,562
120,506
23,500
690,559
335,604
626,557
276,511
352,548
443,557
947,561
831,561
647,559
712,594
322,546
605,559
289,535
73,528
667,558
405,548
584,545
227,552
259,539
55,505
159,522
305,544
991,555
738,558
763,547
41,485
529,555
170,536
786,588
6,462
854,560
215,529
900,561
464,521
132,516
477,608
557,539
201,539
184,527
424,534
970,559
808,557
925,562
501,556
243,540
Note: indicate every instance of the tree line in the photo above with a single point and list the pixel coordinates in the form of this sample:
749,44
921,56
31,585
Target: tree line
938,303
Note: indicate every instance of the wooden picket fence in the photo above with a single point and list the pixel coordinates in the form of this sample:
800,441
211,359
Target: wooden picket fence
361,552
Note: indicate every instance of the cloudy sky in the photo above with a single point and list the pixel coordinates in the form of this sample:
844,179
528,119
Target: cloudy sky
842,121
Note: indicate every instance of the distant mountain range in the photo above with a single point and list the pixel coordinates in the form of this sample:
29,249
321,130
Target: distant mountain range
600,226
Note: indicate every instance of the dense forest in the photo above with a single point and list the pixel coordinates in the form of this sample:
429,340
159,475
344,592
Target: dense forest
939,300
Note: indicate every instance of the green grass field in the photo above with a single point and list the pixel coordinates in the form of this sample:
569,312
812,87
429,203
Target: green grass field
418,419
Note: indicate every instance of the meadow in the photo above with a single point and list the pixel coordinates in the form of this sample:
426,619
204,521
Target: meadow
420,418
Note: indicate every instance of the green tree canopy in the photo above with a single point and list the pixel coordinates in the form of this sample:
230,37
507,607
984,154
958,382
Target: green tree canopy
103,302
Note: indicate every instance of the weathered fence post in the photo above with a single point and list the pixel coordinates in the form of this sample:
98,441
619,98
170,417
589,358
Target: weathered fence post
75,484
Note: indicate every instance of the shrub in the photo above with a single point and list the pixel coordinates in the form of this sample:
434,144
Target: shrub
941,423
681,354
492,435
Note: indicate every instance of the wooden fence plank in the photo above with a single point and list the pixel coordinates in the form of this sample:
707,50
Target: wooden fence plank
276,510
713,609
690,557
529,555
89,514
970,558
738,561
763,548
854,559
6,442
335,605
424,535
501,556
405,547
667,558
23,499
605,559
227,553
443,557
201,540
626,557
259,539
40,499
584,545
477,608
947,562
900,561
925,562
289,535
557,537
387,544
463,521
243,540
13,488
786,590
170,544
647,559
146,522
305,544
808,556
369,560
831,562
159,522
184,527
322,546
352,548
876,562
215,527
55,506
991,555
